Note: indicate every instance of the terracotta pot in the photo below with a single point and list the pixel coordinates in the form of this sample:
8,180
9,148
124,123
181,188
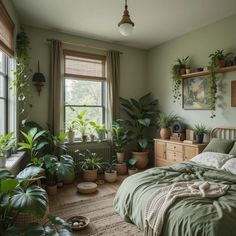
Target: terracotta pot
90,175
141,158
71,136
110,177
165,133
121,168
120,157
51,190
132,171
3,161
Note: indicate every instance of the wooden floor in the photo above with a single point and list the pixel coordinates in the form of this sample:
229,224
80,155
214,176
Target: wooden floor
68,193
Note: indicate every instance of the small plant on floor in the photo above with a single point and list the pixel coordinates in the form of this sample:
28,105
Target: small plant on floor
110,174
132,166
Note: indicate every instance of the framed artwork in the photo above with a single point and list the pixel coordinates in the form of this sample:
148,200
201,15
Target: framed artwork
196,94
233,93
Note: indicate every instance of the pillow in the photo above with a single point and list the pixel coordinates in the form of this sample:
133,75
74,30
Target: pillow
219,145
230,166
233,150
212,159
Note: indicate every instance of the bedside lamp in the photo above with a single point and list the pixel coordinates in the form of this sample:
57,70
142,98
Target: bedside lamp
38,80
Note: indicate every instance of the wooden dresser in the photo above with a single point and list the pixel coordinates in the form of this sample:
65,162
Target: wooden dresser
168,152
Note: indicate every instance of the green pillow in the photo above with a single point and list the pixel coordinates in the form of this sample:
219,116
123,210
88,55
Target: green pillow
219,145
233,150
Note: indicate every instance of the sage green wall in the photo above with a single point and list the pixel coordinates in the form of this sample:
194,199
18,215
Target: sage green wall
133,66
198,45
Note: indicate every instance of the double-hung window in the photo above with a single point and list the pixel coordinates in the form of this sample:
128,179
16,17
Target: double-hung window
3,93
85,86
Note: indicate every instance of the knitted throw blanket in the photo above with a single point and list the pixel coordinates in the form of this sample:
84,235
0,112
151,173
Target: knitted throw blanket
162,199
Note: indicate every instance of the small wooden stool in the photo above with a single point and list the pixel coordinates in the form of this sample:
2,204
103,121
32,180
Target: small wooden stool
87,187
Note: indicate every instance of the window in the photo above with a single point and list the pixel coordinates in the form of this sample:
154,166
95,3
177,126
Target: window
84,86
3,93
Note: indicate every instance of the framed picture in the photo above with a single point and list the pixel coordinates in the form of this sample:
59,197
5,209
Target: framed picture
195,93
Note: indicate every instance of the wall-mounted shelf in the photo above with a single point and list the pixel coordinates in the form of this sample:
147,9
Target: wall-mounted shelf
201,73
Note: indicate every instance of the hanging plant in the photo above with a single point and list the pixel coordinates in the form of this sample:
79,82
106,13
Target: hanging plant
23,75
178,70
217,60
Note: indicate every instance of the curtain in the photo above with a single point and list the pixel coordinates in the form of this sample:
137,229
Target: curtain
56,87
113,86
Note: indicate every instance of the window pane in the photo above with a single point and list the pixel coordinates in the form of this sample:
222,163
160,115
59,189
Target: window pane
93,113
2,86
2,117
82,92
83,66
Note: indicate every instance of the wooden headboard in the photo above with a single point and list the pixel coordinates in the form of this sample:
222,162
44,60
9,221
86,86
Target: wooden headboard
224,133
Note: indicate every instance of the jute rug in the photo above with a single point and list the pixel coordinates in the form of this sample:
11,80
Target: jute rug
103,219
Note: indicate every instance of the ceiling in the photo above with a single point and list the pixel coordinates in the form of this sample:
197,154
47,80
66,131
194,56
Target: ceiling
156,21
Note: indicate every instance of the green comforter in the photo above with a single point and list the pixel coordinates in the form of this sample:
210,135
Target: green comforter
187,217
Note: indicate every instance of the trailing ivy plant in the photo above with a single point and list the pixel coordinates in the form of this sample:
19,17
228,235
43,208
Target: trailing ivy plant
23,75
215,62
176,77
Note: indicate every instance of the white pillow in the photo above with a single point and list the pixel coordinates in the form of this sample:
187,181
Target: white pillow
230,166
212,159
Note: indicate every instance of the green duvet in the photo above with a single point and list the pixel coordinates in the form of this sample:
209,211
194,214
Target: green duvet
187,217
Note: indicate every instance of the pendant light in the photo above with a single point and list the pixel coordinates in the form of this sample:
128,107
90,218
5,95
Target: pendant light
126,25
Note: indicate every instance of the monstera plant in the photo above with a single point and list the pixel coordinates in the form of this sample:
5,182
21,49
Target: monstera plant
142,113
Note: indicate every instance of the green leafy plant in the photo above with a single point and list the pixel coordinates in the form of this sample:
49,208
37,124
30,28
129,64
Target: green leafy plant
165,121
215,61
142,114
100,129
90,160
200,129
176,77
18,195
6,143
33,144
132,163
121,137
71,126
23,75
110,166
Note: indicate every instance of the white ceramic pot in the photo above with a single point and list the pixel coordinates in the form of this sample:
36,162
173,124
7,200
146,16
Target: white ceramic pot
71,136
110,177
3,160
132,171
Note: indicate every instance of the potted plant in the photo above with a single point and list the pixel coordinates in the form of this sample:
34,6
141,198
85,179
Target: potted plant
176,71
23,197
100,130
217,60
132,169
199,131
71,127
83,125
142,113
164,123
90,163
110,174
6,143
121,138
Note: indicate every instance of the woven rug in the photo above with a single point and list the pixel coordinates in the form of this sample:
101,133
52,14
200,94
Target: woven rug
103,219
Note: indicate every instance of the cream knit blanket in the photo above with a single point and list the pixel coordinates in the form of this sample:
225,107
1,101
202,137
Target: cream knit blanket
162,199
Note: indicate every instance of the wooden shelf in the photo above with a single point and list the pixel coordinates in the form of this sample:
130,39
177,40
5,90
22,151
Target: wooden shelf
201,73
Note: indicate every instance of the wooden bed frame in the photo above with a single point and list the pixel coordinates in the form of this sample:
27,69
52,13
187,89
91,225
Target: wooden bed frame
224,133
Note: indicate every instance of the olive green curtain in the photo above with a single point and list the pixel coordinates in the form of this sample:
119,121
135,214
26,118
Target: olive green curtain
56,109
113,85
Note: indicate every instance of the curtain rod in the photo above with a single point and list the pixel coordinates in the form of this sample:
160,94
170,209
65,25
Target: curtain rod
84,45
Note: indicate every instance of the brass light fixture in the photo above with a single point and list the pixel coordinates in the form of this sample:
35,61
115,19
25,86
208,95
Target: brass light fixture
38,80
126,25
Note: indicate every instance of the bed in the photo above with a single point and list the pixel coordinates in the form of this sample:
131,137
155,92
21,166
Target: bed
189,216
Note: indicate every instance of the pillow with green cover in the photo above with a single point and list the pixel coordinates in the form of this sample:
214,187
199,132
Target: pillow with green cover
233,150
219,145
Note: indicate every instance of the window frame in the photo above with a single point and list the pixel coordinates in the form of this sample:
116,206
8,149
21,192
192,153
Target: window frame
102,79
5,75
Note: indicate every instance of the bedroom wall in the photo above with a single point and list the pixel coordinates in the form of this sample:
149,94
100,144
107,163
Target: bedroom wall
198,45
133,66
